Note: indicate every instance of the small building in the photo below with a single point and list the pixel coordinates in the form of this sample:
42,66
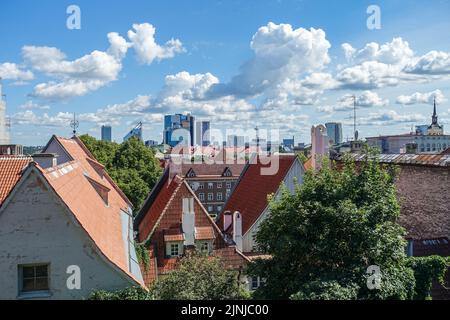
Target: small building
66,228
212,183
172,222
249,197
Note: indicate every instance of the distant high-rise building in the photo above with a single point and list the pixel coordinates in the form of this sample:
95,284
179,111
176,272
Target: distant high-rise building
106,133
334,132
4,132
135,132
173,133
235,141
289,143
202,133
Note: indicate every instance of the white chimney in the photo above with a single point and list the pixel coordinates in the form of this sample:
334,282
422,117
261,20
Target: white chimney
227,220
237,229
45,160
188,221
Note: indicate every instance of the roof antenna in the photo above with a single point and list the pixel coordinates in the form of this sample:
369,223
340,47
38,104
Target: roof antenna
74,124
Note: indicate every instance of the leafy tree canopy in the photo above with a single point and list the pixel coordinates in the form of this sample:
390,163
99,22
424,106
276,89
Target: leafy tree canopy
324,237
199,277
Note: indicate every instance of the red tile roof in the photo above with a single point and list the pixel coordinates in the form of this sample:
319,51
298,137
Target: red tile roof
435,160
250,194
11,168
204,233
103,223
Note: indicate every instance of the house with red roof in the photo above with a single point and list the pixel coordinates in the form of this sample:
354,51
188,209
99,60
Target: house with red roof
66,229
260,178
174,221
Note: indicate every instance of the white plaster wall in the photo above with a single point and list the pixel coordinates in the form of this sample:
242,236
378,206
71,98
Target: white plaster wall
35,228
293,177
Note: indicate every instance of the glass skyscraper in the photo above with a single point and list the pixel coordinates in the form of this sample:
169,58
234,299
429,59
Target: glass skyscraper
106,133
173,132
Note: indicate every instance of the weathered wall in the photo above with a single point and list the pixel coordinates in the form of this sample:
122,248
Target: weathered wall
35,228
424,194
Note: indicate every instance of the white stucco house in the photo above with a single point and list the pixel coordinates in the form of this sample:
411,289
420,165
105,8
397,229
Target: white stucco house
66,229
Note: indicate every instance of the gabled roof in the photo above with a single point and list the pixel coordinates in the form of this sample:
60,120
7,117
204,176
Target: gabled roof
76,150
75,183
250,194
11,169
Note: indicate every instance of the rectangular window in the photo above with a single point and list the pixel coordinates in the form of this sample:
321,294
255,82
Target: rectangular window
210,208
228,185
210,185
219,185
255,283
219,196
34,277
201,196
201,186
205,247
210,196
174,250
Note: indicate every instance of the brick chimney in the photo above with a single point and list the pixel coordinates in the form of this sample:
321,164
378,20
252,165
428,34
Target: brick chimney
237,229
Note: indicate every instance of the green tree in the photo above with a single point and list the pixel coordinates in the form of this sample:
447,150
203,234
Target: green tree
131,164
323,237
199,277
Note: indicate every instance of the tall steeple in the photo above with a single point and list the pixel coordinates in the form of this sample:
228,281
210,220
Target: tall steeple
434,117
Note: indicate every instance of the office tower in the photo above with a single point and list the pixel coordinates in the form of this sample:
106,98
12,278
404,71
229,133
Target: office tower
235,141
334,132
202,133
135,132
106,133
177,128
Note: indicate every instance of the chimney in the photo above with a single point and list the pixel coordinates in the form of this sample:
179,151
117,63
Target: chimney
227,219
45,160
188,221
237,229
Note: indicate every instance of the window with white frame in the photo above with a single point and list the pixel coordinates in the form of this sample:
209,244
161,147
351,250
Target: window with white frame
228,185
204,247
201,185
174,249
210,196
254,283
210,185
219,185
201,196
34,278
219,196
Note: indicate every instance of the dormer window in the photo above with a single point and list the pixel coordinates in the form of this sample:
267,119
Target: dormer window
227,172
191,173
101,189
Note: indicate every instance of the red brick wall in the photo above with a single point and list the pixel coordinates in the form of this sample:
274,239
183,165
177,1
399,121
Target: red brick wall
424,195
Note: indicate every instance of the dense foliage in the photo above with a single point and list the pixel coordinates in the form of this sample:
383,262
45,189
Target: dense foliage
132,165
427,269
199,277
324,237
132,293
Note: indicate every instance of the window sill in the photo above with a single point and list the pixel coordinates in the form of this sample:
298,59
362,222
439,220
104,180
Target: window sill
34,295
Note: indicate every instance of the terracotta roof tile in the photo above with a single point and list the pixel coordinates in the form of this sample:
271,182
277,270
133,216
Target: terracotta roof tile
101,221
11,168
250,194
204,233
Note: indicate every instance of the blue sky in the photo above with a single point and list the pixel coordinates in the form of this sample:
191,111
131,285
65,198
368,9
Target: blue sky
289,78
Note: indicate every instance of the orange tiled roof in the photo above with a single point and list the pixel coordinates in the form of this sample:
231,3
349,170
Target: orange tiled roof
250,194
11,168
204,233
71,182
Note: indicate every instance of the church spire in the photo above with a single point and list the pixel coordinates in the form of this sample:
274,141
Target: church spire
434,117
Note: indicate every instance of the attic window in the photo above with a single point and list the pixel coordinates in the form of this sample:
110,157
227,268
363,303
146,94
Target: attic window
191,174
227,172
101,189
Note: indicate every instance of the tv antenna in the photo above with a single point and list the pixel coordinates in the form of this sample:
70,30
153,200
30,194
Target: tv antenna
74,124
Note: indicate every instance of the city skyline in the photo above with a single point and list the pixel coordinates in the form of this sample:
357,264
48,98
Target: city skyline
286,65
